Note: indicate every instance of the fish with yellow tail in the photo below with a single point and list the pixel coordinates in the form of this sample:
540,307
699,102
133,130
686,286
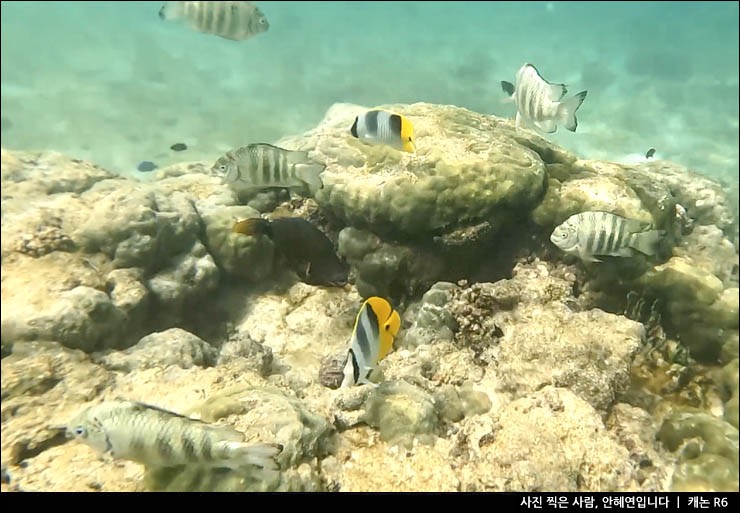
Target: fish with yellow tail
237,21
383,127
540,103
157,437
309,253
376,327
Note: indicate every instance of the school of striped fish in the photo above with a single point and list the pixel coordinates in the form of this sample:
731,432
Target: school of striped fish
157,437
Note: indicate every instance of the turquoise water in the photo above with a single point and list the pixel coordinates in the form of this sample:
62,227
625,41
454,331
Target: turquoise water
111,82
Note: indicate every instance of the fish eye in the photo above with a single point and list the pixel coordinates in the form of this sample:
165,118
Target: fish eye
80,431
263,21
222,167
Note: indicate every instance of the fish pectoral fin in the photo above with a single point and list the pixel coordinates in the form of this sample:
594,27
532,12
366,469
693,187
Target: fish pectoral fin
589,258
624,252
548,126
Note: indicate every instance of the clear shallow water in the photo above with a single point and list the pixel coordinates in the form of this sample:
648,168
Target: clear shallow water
111,82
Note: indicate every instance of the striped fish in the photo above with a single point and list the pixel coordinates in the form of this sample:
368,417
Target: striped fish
261,166
376,326
383,127
602,233
161,438
231,20
541,103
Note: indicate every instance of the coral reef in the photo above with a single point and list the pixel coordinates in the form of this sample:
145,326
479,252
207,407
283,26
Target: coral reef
514,370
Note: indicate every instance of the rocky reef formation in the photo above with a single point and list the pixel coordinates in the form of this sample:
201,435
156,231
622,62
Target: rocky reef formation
516,368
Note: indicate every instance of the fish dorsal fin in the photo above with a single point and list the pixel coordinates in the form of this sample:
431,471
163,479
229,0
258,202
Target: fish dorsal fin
227,433
139,406
297,157
557,91
381,307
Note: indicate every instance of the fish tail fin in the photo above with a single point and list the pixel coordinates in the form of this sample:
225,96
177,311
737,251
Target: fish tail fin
239,454
311,175
253,226
647,242
260,455
567,110
508,88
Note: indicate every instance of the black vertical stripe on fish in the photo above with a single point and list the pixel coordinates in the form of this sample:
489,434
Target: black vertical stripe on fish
188,447
602,238
210,15
591,225
371,122
621,239
286,170
610,243
270,154
372,320
363,340
531,101
220,20
395,125
253,22
207,449
200,14
231,20
163,446
541,98
355,367
137,444
353,130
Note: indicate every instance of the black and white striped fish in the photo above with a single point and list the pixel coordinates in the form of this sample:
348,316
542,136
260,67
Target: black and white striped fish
231,20
376,326
383,127
157,437
540,103
261,166
601,233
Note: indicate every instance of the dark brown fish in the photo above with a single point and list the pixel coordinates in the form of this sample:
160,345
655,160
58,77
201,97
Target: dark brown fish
650,153
310,254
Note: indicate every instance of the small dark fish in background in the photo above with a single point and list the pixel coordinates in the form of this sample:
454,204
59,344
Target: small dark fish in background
650,153
310,253
179,147
231,20
146,166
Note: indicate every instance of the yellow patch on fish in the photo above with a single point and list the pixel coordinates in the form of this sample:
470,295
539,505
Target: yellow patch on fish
382,127
376,327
